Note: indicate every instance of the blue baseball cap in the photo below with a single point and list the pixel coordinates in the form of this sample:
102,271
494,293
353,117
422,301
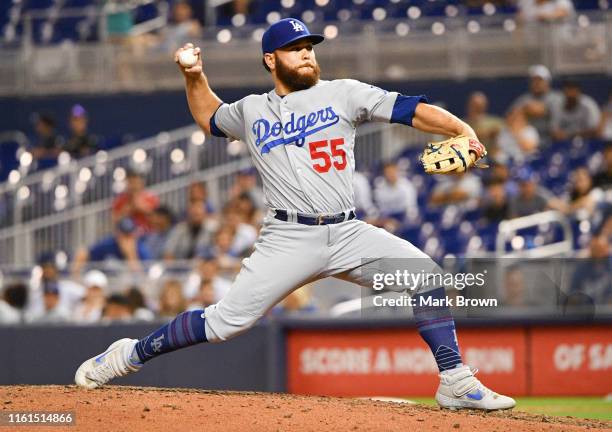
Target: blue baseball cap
526,174
287,31
126,225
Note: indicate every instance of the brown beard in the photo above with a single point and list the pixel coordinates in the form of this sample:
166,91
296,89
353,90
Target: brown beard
295,80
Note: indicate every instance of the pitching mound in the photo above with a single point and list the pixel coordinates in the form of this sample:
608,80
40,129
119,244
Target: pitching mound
117,408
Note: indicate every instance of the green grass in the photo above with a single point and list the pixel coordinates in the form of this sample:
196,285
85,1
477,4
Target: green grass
583,407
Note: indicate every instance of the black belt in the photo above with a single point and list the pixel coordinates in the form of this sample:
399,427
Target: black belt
315,220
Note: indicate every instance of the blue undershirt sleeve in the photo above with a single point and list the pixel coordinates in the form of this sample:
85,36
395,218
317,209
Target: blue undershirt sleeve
404,108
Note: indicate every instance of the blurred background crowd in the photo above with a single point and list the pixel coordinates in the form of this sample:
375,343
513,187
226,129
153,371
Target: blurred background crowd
550,149
184,20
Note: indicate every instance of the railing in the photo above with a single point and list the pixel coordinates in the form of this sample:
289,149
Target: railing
179,153
427,48
81,226
508,228
69,206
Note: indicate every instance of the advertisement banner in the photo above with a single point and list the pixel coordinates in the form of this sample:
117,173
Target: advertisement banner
396,362
571,360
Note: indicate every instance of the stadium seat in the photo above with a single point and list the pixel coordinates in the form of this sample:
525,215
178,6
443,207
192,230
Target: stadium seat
8,161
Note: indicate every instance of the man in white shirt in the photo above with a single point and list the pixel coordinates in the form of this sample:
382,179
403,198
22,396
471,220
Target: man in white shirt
531,11
12,300
575,114
364,206
53,310
394,194
70,293
538,102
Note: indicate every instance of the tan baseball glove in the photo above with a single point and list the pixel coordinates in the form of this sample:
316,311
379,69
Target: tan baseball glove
453,155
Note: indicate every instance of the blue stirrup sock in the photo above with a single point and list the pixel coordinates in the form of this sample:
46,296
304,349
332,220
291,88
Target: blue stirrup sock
437,327
185,330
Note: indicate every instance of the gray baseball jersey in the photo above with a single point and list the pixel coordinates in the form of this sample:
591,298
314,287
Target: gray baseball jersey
302,144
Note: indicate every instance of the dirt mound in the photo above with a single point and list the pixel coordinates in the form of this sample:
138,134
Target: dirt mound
117,408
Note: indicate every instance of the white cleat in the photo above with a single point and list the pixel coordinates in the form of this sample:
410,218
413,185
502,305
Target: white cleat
112,363
459,388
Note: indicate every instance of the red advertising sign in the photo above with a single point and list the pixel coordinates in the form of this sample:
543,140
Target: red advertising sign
396,362
571,360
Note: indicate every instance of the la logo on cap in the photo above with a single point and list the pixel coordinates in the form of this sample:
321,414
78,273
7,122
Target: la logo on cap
297,26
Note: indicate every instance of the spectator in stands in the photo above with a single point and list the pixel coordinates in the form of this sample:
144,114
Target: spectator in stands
205,296
501,172
48,143
514,286
207,268
495,205
534,11
80,143
517,140
182,27
187,237
221,249
199,192
246,182
538,102
603,179
162,221
136,303
247,210
92,305
299,302
575,114
602,222
531,198
70,293
364,205
486,126
593,276
462,189
117,309
238,215
605,126
394,194
12,303
119,20
53,311
233,7
124,245
135,202
171,300
583,197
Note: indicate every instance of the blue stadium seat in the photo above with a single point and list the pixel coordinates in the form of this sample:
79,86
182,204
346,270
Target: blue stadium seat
8,160
78,3
488,233
433,215
66,28
39,4
410,234
472,215
145,13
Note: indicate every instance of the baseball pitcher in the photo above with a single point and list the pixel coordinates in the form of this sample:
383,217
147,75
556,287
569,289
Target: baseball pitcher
301,136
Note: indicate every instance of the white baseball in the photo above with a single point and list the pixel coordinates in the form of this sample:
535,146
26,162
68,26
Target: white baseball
187,58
